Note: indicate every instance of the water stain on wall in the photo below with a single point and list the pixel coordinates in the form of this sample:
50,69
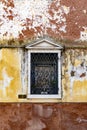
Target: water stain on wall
10,78
74,75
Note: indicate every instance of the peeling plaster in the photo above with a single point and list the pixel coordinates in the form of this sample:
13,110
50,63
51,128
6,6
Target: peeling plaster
79,73
24,71
39,110
63,28
31,14
24,19
80,120
5,82
84,11
66,9
35,124
74,72
83,34
10,83
13,78
35,10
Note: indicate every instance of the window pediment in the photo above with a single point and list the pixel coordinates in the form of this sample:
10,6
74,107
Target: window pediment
44,43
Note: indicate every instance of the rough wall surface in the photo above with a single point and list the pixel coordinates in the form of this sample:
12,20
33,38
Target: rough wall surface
61,19
43,116
74,75
24,19
10,74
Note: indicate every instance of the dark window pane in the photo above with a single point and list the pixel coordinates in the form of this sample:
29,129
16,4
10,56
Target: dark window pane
44,73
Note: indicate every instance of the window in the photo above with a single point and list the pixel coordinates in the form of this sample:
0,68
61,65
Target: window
44,73
44,70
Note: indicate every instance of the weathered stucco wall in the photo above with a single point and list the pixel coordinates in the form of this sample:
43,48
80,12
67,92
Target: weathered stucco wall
24,19
13,75
74,72
25,116
10,74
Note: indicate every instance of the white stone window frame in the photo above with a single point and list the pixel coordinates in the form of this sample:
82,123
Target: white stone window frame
33,49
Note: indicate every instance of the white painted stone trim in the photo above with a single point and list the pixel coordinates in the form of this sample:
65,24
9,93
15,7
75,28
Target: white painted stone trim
29,73
54,45
29,95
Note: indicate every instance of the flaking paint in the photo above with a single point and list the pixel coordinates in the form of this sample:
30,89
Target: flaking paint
23,19
10,80
54,19
74,76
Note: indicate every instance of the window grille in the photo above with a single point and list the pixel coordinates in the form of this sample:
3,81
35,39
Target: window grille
44,73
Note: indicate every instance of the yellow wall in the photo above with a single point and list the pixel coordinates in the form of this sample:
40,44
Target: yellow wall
10,78
74,76
74,73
